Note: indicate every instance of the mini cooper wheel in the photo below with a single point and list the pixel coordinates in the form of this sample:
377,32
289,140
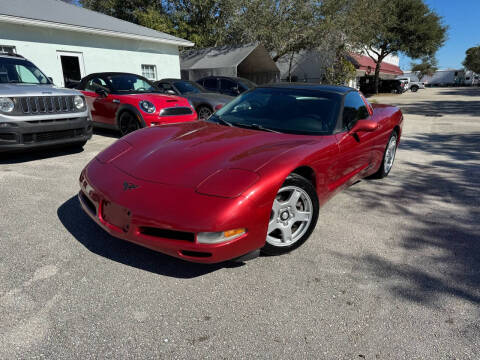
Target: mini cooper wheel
293,217
204,112
388,157
128,123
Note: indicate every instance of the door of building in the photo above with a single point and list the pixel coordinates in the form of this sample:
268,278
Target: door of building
72,67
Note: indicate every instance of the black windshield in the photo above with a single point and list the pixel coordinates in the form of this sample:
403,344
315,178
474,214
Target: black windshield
287,110
129,83
20,71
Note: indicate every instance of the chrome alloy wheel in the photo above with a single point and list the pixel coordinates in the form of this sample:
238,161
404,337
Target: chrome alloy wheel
204,113
390,154
291,215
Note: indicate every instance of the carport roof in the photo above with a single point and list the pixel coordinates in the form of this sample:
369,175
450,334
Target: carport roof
216,57
363,62
60,15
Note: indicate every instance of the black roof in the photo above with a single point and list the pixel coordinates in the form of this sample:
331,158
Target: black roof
174,79
309,86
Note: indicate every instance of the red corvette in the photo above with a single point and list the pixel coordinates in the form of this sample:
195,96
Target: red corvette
128,102
253,176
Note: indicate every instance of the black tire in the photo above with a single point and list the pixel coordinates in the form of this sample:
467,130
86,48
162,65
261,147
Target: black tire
127,123
383,172
204,112
414,88
294,181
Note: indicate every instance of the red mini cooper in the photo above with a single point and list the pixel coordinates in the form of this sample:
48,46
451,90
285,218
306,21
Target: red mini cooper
127,102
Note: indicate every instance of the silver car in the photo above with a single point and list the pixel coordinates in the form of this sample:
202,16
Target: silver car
34,112
204,102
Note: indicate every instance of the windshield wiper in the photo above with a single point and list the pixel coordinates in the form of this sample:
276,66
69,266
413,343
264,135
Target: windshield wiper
223,121
258,127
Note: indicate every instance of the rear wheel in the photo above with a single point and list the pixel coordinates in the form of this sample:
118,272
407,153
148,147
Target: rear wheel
203,112
128,123
293,217
388,157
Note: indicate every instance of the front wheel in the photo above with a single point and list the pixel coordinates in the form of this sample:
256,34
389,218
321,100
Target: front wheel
204,112
414,88
128,123
293,217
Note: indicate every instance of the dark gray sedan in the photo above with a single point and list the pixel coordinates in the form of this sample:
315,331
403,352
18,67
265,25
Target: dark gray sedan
204,102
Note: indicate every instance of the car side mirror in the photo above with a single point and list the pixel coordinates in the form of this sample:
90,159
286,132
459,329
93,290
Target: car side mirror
101,92
364,125
171,92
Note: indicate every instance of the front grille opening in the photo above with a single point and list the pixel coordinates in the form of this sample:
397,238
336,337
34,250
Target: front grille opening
53,135
167,234
176,111
8,137
43,104
88,203
196,254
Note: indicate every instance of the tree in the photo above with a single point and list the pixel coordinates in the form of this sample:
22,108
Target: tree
427,67
472,61
397,26
122,9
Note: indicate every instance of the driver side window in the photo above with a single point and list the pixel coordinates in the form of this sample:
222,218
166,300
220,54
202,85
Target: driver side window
354,109
94,84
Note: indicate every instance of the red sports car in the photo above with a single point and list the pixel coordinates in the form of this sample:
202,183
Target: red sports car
253,176
128,102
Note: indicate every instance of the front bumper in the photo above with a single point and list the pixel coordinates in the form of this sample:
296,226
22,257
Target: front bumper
23,135
175,214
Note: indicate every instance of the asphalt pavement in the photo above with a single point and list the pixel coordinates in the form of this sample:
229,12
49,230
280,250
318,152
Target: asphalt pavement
392,270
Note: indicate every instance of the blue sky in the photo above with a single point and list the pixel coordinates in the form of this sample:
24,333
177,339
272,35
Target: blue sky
463,19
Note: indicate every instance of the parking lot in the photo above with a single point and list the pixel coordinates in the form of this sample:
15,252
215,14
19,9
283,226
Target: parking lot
392,270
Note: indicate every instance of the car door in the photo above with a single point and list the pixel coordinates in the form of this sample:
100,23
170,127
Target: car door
102,106
355,147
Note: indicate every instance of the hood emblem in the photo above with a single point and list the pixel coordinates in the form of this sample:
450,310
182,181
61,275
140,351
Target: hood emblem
129,186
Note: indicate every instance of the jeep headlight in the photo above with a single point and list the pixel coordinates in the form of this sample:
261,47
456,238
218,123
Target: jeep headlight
6,105
79,102
147,106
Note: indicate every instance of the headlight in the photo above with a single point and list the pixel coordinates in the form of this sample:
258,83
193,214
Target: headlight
6,105
79,102
147,106
218,237
228,183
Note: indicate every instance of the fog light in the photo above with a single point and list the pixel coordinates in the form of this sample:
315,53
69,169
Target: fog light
219,237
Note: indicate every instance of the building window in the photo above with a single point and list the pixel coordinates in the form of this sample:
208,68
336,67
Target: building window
150,72
8,49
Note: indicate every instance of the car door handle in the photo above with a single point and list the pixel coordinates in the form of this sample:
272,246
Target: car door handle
116,101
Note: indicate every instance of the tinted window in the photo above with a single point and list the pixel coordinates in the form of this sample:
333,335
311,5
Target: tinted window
354,109
210,83
186,87
295,111
94,84
226,84
165,86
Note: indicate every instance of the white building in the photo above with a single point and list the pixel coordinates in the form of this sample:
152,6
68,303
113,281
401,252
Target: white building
68,42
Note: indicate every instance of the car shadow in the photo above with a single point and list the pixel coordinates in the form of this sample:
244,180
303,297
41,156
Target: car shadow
96,240
37,154
114,134
441,242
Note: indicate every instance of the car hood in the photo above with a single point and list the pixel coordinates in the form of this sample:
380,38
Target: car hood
184,154
210,97
34,90
162,100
